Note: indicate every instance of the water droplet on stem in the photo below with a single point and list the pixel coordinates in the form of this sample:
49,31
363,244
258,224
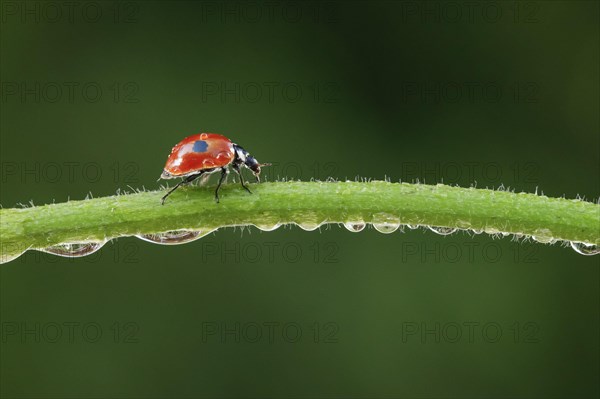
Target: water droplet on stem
74,250
443,231
309,226
268,227
585,249
175,237
385,223
355,227
386,228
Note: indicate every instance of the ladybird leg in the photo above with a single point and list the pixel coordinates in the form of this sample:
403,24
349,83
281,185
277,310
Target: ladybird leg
184,181
236,167
224,172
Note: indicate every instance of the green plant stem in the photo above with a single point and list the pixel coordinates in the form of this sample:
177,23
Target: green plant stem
305,203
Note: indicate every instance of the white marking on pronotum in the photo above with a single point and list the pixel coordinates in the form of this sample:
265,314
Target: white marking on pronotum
241,154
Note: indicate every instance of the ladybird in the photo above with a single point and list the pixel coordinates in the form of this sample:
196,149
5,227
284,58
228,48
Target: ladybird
205,153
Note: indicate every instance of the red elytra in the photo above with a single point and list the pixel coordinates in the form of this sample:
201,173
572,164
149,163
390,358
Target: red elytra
198,152
206,153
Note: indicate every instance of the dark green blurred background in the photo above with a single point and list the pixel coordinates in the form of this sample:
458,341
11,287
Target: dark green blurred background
95,94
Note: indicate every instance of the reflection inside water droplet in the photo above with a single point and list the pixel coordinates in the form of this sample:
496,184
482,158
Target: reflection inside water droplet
412,226
386,227
585,249
74,250
543,239
355,227
443,231
385,223
175,237
308,226
267,227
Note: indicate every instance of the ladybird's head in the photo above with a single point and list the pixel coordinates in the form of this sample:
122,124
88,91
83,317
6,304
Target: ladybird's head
252,164
249,161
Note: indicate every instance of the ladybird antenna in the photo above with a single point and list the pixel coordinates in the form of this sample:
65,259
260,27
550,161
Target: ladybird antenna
264,164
